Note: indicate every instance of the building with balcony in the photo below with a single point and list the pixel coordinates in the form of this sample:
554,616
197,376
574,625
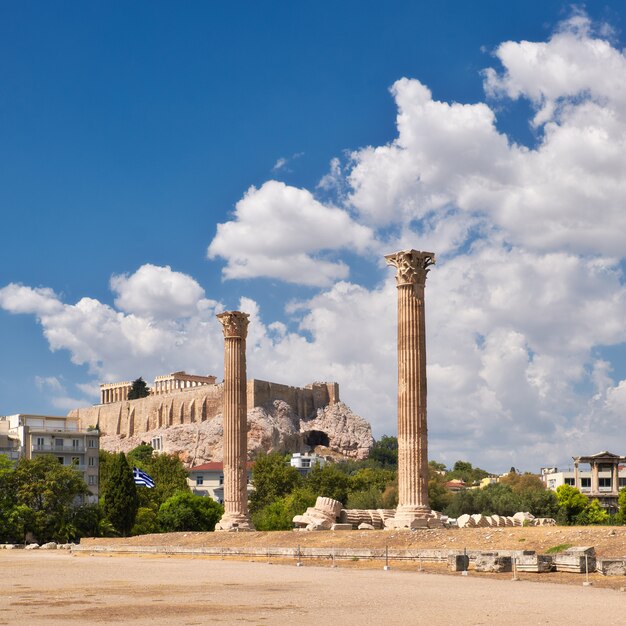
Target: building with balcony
599,476
208,480
63,437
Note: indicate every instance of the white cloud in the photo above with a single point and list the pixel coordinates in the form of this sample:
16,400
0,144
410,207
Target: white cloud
116,345
279,232
49,383
157,292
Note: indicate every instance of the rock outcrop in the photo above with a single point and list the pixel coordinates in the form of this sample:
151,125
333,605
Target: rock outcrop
276,428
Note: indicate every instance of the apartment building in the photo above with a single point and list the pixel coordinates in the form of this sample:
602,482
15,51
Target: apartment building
30,436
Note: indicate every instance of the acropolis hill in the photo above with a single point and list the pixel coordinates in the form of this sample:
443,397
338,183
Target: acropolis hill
184,412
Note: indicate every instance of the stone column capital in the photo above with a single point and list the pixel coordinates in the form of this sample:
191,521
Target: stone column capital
234,324
411,265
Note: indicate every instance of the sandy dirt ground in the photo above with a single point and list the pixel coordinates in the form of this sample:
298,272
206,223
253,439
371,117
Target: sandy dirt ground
609,541
61,588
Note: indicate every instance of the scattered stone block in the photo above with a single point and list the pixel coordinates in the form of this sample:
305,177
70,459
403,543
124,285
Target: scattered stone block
365,526
458,562
538,563
491,562
32,546
51,545
577,560
341,527
329,506
465,521
612,566
524,517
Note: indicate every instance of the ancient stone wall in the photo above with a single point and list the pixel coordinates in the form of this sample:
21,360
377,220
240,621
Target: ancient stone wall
198,404
305,401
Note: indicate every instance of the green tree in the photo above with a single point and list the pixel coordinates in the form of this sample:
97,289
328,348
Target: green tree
371,498
328,481
571,503
279,514
273,478
87,520
592,514
367,478
146,522
541,503
8,501
120,496
464,471
385,452
138,389
186,511
523,482
169,475
141,454
621,515
51,492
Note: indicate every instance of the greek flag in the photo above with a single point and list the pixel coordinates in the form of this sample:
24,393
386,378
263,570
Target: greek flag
141,478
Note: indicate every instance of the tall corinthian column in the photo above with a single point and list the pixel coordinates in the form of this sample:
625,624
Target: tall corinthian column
235,327
413,508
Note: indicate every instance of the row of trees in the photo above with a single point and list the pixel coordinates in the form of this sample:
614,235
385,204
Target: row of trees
281,492
167,507
43,500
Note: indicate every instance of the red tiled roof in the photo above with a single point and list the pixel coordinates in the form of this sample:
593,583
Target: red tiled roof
214,466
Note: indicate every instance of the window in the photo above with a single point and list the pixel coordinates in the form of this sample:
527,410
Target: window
91,480
585,483
92,442
222,479
622,482
75,444
58,443
60,459
157,443
569,481
92,461
604,482
40,443
199,479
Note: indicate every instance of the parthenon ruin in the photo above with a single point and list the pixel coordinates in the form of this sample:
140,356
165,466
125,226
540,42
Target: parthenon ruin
176,381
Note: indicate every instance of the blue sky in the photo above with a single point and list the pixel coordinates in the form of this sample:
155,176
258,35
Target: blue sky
321,137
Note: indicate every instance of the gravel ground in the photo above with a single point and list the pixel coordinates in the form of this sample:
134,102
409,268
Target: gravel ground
60,588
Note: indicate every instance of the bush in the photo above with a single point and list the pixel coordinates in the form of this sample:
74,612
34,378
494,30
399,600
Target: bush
186,511
371,498
279,514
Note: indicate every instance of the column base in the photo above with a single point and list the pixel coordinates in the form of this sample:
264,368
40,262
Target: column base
411,517
234,522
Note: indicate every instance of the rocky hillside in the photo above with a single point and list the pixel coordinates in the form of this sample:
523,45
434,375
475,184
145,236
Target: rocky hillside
273,429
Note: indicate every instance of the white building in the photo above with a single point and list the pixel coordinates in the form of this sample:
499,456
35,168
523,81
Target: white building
30,436
605,476
304,462
208,480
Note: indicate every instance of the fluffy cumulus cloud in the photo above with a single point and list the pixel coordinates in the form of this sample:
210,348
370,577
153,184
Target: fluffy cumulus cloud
141,340
158,292
527,290
283,232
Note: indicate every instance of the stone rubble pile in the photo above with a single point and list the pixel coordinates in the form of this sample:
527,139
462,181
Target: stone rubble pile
51,545
519,519
329,514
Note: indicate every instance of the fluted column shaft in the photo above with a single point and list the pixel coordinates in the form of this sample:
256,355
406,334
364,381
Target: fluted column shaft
235,325
412,268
